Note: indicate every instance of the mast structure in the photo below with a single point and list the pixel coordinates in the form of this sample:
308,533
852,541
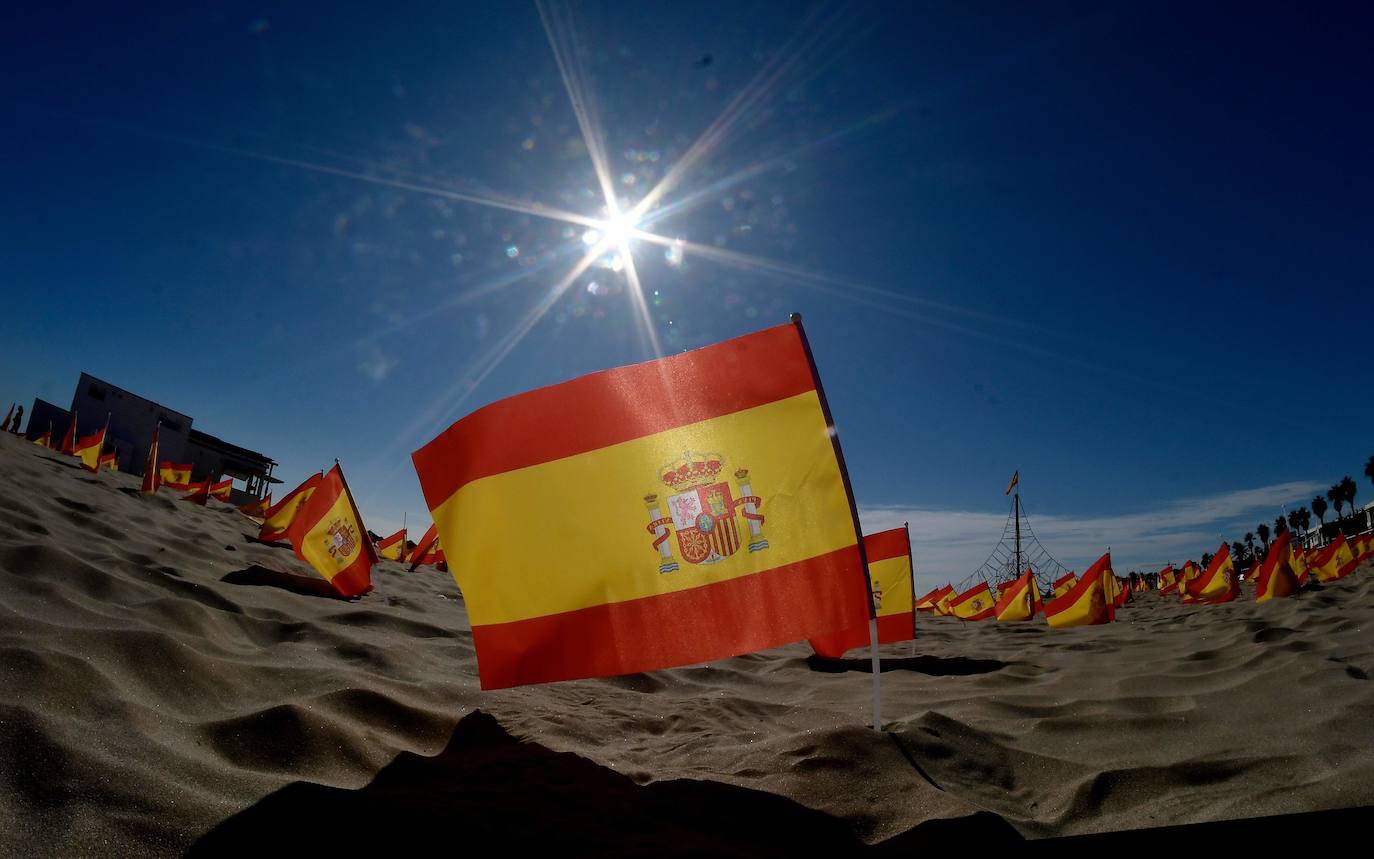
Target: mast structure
1016,551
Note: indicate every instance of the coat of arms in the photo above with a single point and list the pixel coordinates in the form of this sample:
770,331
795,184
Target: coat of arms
704,511
342,542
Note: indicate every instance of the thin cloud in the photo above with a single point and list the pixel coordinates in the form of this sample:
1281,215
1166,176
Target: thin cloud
948,545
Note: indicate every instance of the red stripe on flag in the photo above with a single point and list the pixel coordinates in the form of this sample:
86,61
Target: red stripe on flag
887,544
614,406
739,615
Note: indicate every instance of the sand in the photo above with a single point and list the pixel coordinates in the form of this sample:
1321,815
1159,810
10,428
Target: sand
169,685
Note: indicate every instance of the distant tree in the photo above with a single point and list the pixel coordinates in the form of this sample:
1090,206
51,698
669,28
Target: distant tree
1237,552
1349,487
1250,543
1319,508
1369,469
1336,496
1280,525
1306,518
1295,520
1263,531
1207,559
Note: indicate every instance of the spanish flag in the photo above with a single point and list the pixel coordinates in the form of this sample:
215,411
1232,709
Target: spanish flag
175,476
1086,603
685,509
1020,599
1275,577
1187,581
150,473
928,602
1366,548
88,449
1064,584
1218,583
257,509
200,492
947,598
1168,580
109,460
393,548
69,440
425,551
328,534
222,490
1333,562
44,440
976,603
890,571
1300,568
1120,593
280,516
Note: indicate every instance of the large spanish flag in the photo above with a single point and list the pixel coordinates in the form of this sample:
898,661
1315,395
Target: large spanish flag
280,516
1333,562
685,509
976,603
930,600
393,548
1276,577
88,449
890,571
328,534
1020,599
1218,583
1086,603
175,475
1064,584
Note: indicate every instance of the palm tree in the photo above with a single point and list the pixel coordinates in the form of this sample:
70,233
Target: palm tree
1280,525
1263,531
1319,508
1250,542
1207,559
1369,469
1349,487
1336,495
1237,552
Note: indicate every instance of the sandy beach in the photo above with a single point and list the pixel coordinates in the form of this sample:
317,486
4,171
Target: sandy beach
167,685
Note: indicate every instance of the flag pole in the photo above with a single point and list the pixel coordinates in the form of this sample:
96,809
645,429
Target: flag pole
911,567
796,320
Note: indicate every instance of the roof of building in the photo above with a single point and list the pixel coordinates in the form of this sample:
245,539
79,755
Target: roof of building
208,440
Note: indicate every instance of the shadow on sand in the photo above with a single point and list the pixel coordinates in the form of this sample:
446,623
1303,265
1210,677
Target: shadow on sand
935,666
256,576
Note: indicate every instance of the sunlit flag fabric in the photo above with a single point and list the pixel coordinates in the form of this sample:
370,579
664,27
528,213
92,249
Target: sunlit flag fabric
1020,599
677,511
1333,562
175,475
976,603
69,440
257,509
1366,548
393,548
1276,577
328,534
1300,568
1218,583
929,601
1064,584
88,449
1187,582
1015,479
222,490
110,461
151,478
1086,603
889,570
942,605
199,492
424,553
283,513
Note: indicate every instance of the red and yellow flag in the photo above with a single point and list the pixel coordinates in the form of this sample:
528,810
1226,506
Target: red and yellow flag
222,490
1020,599
1218,583
1300,568
641,541
1064,584
109,460
257,510
280,516
69,440
1275,577
199,492
1187,581
929,601
1168,581
1365,548
425,551
44,440
1086,603
88,449
393,548
942,605
976,603
328,534
175,475
1335,561
890,571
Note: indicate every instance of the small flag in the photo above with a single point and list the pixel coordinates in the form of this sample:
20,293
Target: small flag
1218,583
88,449
151,478
175,475
1015,479
1276,577
1366,548
1333,562
1086,603
976,603
222,490
328,534
690,508
69,440
257,509
1064,584
424,549
393,548
889,571
280,516
109,460
44,440
1187,581
1020,599
1167,580
1300,568
947,598
930,600
199,492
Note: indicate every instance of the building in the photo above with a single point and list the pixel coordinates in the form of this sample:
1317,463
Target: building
132,421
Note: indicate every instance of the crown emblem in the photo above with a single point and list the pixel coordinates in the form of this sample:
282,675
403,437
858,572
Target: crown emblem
692,469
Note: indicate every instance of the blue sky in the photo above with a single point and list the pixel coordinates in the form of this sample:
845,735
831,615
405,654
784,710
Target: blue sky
1122,248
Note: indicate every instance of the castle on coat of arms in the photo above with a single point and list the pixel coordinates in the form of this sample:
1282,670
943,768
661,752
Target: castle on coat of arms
703,512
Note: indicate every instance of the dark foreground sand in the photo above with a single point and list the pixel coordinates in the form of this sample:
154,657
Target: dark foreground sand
167,685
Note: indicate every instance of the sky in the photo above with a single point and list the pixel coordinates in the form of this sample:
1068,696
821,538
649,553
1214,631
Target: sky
1121,248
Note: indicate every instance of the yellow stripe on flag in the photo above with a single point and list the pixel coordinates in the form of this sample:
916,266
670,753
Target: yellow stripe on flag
320,547
891,580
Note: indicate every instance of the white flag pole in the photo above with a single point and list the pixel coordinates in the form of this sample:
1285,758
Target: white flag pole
877,674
